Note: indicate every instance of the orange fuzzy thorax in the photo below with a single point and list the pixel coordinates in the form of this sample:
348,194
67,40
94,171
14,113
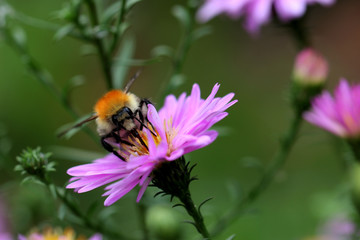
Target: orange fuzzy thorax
110,103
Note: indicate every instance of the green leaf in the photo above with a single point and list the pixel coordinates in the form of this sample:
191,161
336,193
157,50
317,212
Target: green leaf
163,51
123,27
126,52
18,168
64,31
176,81
201,32
141,62
19,36
52,189
235,190
62,212
182,14
111,11
28,179
71,84
231,237
106,213
252,162
131,3
87,50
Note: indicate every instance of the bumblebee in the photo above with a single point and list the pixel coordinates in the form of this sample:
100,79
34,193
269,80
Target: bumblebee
119,114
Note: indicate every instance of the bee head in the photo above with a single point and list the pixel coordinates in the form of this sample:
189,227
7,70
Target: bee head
110,103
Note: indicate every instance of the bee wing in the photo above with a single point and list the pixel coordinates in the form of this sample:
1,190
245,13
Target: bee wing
132,80
77,124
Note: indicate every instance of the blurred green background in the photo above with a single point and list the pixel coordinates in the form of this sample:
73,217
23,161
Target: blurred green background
258,69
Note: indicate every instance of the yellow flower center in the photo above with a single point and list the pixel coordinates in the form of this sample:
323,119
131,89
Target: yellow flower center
137,144
170,132
350,122
58,234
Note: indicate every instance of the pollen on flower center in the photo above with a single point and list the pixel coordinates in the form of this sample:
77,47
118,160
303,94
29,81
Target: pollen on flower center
349,121
170,132
136,144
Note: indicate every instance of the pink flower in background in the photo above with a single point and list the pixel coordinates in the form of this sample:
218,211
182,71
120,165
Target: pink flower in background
339,228
4,223
181,126
256,12
340,114
57,234
310,68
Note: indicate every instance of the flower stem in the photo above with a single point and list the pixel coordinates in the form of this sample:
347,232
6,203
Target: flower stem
120,20
194,213
174,178
355,148
278,162
181,54
99,44
299,33
141,207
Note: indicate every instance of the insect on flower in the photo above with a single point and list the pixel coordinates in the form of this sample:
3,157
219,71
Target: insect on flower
182,126
119,115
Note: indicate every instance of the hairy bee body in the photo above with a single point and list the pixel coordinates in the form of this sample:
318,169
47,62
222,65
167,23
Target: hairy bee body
111,113
120,117
120,114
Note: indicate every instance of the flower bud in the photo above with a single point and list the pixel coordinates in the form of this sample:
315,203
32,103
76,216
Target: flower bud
310,68
310,72
34,163
163,223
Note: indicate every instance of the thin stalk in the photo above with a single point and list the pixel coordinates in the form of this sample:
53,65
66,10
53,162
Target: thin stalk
120,20
174,178
355,148
297,30
141,207
40,74
181,54
286,144
299,33
99,44
194,213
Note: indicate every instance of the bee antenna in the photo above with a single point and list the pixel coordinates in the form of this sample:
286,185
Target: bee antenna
79,124
132,80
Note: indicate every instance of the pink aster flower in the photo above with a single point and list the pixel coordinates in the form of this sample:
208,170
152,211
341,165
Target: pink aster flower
340,114
257,12
181,126
57,234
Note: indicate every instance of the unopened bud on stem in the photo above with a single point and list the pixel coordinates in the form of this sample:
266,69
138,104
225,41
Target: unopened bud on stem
311,68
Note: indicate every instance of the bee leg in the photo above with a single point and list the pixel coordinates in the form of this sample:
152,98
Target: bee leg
141,121
133,116
146,101
141,117
110,148
118,139
136,135
141,113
